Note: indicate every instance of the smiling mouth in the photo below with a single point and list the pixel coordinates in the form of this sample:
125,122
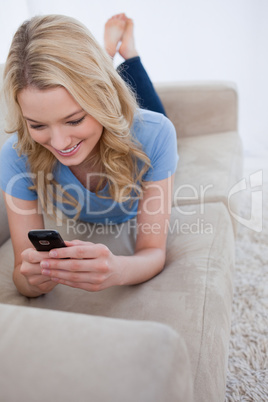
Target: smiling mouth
70,151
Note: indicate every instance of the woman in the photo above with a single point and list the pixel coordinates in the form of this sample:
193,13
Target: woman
84,148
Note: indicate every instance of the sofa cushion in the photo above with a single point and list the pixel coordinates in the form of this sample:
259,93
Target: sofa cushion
221,155
66,357
193,293
200,108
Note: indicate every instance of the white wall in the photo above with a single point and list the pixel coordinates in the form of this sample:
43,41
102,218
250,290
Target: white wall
184,40
12,13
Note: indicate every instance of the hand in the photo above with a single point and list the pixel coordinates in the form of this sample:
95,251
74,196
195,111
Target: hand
83,265
30,268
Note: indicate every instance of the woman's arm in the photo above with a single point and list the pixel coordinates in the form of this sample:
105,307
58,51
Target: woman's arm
23,216
93,267
152,225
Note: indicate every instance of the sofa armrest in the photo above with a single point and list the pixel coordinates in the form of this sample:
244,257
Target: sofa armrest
66,357
201,108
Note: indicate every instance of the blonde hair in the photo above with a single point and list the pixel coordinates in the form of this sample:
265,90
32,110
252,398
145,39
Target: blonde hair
58,51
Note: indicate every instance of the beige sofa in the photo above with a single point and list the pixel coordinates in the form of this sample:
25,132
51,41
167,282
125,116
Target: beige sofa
164,340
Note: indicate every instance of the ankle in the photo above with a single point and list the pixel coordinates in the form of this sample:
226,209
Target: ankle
128,53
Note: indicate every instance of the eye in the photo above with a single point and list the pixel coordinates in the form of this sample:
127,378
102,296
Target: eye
37,127
76,122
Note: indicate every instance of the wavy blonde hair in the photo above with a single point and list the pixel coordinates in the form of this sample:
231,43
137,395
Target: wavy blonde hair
58,51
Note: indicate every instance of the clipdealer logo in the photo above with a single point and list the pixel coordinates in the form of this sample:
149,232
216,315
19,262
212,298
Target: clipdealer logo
251,187
254,186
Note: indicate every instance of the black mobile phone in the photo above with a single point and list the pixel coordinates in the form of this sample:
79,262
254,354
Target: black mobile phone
46,239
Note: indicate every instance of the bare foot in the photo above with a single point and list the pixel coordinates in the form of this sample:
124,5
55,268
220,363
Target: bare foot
127,48
113,33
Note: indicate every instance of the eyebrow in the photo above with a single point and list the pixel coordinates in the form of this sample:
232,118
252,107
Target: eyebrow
64,118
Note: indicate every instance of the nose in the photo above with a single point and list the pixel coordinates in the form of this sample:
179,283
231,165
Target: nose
59,139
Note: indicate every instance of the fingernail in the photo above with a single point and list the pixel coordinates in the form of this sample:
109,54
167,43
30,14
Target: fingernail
53,253
45,271
44,264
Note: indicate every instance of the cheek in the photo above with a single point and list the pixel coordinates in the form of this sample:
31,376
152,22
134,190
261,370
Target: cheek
32,134
39,137
100,129
35,137
94,130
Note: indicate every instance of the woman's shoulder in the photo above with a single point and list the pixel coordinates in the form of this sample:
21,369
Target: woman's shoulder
15,177
149,117
10,156
150,127
9,145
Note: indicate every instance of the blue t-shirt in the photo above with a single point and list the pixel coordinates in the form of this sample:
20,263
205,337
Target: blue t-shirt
155,133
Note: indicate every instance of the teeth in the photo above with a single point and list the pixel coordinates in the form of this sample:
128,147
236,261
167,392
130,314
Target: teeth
69,150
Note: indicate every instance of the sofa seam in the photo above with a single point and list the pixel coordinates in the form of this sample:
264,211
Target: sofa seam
203,311
232,164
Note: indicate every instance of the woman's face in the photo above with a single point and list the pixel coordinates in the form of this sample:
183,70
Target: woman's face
57,122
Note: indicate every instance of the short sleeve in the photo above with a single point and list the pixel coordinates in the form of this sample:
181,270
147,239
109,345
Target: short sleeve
15,176
163,153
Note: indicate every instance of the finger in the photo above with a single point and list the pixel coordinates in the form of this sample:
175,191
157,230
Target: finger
90,287
37,280
74,265
75,277
85,250
27,269
77,243
33,256
46,287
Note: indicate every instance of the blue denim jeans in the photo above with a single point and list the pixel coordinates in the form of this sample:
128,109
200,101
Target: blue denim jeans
135,75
